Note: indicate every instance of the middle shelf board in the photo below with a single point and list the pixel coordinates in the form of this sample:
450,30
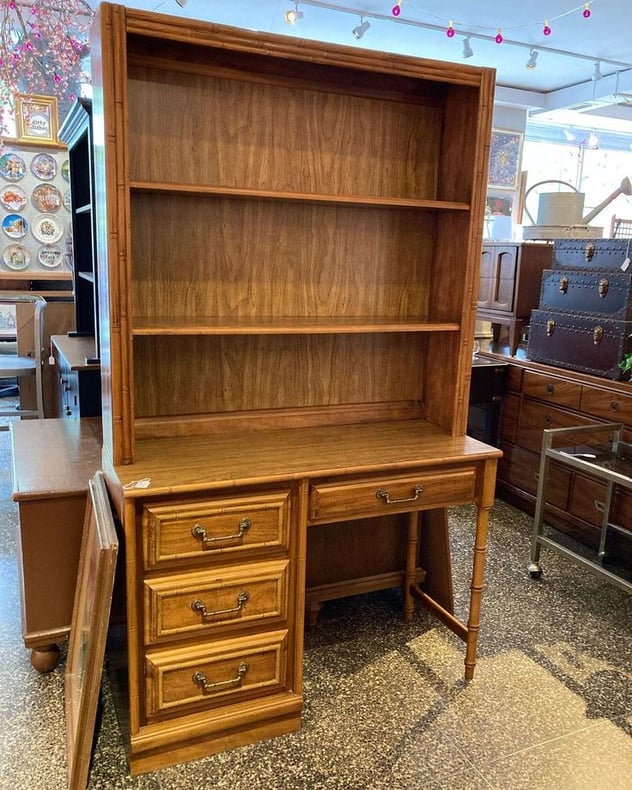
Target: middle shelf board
198,190
185,325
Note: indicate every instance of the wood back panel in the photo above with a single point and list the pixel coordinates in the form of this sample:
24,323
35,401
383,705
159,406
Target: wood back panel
253,258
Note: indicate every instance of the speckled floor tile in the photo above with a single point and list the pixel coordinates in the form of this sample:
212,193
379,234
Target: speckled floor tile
385,703
597,757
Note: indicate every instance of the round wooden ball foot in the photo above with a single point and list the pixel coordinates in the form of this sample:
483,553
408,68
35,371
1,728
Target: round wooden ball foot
45,659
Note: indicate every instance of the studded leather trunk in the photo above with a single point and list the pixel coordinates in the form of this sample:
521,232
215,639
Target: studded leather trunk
587,292
592,344
599,254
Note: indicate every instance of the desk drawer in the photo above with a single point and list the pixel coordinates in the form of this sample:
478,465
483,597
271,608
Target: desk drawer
203,602
176,532
612,406
212,674
378,496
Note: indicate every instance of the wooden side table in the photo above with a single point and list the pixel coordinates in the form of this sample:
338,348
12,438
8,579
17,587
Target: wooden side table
52,463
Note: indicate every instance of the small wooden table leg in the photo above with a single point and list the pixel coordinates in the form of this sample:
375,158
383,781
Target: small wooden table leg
45,659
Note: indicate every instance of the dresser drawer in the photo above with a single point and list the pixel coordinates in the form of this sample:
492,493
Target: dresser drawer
551,389
175,532
535,417
213,674
378,496
186,604
520,469
608,405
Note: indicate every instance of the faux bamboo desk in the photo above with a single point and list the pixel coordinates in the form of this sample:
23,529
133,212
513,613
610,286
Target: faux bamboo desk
52,463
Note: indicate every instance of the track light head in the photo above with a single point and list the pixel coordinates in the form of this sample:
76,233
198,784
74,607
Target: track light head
181,3
361,29
293,15
597,72
467,49
533,59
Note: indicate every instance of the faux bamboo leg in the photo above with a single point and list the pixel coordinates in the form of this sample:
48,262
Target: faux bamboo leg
411,565
476,590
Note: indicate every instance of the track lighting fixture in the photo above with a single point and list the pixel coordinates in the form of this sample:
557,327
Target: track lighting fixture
467,49
533,59
181,3
293,15
597,72
361,29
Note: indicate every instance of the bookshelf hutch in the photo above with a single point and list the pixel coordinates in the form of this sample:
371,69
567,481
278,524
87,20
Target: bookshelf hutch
288,240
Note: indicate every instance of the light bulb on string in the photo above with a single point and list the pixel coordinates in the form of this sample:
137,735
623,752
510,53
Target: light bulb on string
546,29
499,36
586,11
450,31
397,8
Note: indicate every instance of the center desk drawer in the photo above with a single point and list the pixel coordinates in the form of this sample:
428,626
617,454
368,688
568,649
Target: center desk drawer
380,495
189,603
228,526
215,673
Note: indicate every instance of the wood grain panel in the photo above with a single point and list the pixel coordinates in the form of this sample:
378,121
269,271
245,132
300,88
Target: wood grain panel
256,258
199,375
237,133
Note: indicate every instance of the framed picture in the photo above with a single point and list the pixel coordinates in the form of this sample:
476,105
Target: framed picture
36,119
504,159
88,632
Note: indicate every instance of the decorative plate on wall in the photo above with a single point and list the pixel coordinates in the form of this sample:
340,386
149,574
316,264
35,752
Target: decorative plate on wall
46,197
16,257
44,167
49,256
12,167
67,200
47,228
15,226
65,170
13,198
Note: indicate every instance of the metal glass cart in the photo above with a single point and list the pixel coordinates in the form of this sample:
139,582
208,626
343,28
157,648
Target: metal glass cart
598,451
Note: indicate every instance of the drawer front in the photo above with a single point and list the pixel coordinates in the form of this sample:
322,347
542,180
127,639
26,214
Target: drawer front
378,496
521,468
607,405
552,390
203,602
514,378
509,411
214,674
176,532
535,417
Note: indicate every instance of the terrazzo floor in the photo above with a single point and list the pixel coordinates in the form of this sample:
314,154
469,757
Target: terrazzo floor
385,705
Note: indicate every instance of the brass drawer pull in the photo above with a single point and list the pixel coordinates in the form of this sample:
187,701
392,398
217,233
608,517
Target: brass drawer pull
602,287
548,419
550,327
589,251
199,678
200,606
614,405
550,389
198,531
384,495
563,286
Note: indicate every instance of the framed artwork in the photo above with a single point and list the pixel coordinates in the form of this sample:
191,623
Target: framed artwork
88,632
504,159
36,119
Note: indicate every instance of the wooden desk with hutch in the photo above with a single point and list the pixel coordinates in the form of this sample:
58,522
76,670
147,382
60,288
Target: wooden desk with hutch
288,262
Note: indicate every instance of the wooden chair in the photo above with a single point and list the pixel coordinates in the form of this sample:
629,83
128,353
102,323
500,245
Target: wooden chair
620,228
16,365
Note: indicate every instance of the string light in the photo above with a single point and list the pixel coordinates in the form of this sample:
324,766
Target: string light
586,11
546,29
450,31
42,45
397,8
498,38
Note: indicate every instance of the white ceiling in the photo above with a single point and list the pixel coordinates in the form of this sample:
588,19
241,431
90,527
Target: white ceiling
566,61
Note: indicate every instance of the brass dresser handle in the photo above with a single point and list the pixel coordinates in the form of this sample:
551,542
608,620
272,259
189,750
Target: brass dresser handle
199,678
381,493
199,532
200,606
